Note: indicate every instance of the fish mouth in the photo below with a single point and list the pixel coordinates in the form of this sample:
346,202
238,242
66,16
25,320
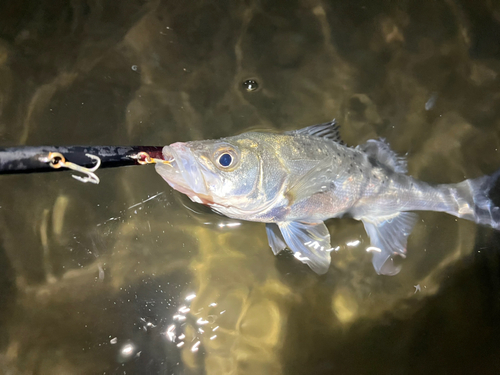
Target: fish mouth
184,173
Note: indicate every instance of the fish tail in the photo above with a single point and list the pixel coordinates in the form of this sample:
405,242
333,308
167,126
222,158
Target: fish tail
474,200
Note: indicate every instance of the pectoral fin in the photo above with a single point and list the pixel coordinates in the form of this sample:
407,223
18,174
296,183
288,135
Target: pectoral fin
388,236
310,243
316,180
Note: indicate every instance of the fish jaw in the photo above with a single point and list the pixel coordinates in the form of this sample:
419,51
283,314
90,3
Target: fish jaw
184,173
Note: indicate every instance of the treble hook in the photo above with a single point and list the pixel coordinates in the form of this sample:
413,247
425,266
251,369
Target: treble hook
57,160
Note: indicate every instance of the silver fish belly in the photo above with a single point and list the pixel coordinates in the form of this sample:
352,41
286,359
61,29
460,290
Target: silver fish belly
295,181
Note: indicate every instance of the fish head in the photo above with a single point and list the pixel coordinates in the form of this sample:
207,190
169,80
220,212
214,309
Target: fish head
231,174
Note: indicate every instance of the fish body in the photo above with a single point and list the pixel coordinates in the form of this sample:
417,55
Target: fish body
296,180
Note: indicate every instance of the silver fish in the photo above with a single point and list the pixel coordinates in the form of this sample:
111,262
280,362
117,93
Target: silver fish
295,181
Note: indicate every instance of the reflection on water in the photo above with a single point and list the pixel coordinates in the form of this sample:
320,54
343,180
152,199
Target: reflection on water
129,277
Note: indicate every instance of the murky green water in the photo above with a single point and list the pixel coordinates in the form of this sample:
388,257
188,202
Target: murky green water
129,277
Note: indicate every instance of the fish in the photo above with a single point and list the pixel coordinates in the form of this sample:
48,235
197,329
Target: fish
294,181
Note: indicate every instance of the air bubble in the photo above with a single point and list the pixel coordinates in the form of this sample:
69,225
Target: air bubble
250,85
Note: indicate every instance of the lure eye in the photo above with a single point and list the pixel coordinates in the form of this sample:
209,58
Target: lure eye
225,160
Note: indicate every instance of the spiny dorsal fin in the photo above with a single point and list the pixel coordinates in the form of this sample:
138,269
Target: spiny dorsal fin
382,153
328,130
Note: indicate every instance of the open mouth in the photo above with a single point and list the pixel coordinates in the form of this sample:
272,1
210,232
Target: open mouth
184,173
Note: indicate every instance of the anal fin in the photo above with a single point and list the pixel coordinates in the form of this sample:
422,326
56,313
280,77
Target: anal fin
388,236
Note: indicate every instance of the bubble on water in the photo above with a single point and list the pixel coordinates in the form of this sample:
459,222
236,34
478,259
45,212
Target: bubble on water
250,85
135,68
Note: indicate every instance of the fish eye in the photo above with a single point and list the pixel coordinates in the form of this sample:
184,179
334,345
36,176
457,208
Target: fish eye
226,157
225,160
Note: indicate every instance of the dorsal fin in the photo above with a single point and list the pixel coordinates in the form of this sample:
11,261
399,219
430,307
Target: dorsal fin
328,130
382,153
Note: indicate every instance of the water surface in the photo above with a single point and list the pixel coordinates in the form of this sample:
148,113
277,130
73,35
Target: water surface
128,277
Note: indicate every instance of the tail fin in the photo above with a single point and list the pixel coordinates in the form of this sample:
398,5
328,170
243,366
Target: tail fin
480,190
